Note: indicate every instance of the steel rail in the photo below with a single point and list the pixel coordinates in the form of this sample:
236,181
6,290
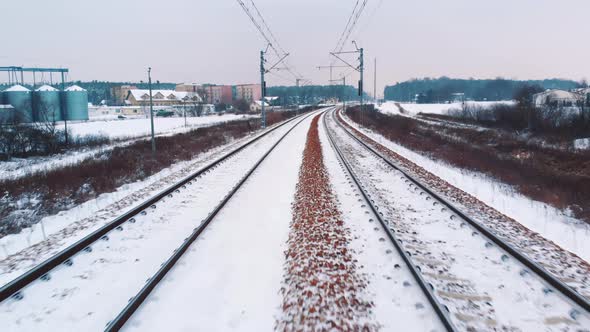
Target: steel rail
427,288
15,287
136,301
549,278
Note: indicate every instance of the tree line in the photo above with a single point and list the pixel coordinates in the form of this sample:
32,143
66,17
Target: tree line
312,94
440,90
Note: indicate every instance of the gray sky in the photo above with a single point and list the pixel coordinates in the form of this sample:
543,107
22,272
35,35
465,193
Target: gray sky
214,41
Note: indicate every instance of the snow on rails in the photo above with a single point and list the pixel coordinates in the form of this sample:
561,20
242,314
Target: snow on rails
305,227
483,280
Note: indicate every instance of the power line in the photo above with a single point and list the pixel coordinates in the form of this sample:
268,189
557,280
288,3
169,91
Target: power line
346,27
354,17
370,19
247,11
272,40
267,27
358,15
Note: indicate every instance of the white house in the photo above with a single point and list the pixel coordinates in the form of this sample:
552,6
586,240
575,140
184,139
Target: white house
557,98
585,94
256,106
138,97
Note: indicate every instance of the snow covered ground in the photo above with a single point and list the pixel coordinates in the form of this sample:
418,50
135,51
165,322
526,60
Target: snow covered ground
399,303
97,286
133,128
128,130
582,144
553,224
390,107
80,220
455,259
232,275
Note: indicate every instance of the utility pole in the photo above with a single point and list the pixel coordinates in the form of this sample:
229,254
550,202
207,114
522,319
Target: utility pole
360,68
362,71
375,84
344,93
65,107
184,111
263,88
331,67
263,83
297,102
151,111
343,90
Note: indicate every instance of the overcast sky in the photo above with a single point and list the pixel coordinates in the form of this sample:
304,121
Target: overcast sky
214,41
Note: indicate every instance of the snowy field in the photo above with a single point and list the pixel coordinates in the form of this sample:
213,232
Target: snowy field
134,128
553,224
92,293
130,130
391,107
464,264
227,282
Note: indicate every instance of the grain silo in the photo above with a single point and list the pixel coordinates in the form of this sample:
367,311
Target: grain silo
47,104
75,103
20,98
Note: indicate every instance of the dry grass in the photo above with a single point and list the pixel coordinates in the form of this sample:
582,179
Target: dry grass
47,193
557,177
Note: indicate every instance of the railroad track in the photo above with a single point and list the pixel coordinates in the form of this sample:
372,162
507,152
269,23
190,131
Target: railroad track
441,311
134,303
15,288
577,300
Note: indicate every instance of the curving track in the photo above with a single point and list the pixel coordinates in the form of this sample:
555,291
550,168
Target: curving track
84,278
185,259
153,281
446,247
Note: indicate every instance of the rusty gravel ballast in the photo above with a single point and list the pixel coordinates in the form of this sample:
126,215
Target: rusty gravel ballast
136,301
441,311
15,287
549,278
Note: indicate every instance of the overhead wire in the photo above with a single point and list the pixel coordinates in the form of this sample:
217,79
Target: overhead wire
356,19
276,42
351,23
346,27
247,11
370,19
272,40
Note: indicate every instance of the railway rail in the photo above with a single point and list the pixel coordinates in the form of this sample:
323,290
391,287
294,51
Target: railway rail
15,288
441,311
134,303
538,270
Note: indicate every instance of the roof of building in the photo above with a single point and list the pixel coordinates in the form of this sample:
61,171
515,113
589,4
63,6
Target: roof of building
46,88
259,103
17,88
163,95
74,88
558,94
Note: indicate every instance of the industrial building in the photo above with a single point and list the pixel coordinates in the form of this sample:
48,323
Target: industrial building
247,92
43,104
226,94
